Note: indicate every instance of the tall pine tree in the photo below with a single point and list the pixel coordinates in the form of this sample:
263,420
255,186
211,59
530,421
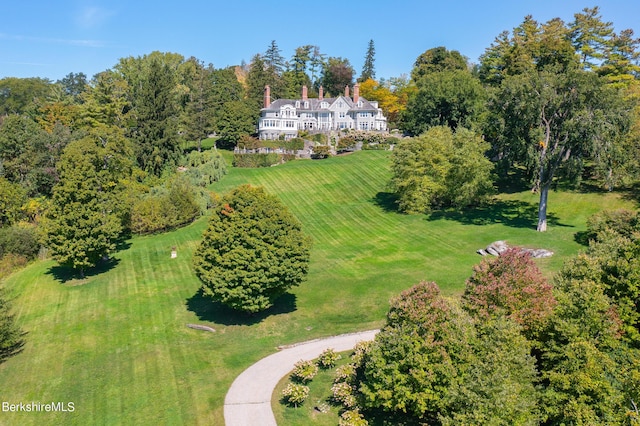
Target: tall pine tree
368,69
156,134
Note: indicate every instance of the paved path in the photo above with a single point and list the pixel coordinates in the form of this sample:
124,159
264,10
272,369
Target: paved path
248,402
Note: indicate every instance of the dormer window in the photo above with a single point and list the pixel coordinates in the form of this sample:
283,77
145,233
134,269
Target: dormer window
360,104
297,104
306,104
324,105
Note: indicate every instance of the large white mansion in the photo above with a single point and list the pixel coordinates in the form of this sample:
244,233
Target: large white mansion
285,117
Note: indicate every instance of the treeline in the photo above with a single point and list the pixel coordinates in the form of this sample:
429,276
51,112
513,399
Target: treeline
556,101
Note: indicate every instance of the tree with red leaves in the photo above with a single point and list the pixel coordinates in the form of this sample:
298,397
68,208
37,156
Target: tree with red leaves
510,285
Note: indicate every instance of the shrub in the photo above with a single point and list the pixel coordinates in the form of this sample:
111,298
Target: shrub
256,160
342,393
359,351
345,373
304,371
10,263
328,358
321,152
174,204
295,394
19,240
352,418
623,222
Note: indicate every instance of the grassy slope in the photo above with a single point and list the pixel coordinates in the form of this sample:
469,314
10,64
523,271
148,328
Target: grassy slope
117,345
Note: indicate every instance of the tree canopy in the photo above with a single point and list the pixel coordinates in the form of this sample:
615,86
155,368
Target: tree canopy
440,169
83,224
252,252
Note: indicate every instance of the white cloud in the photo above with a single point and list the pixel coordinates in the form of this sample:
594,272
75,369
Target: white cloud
92,17
52,40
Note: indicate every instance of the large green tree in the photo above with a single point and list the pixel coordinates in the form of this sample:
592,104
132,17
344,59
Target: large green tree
84,221
444,98
437,59
157,92
552,120
197,118
252,252
337,73
432,364
19,95
441,169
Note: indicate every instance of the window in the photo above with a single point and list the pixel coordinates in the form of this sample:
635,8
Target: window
297,104
342,114
324,105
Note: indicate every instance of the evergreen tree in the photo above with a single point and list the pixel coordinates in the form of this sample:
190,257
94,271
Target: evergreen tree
590,37
273,59
156,111
368,69
197,120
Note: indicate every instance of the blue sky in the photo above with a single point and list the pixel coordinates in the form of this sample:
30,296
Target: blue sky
53,38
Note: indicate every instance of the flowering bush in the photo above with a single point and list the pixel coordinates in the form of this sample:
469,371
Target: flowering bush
352,418
304,371
360,351
295,394
328,358
343,394
345,373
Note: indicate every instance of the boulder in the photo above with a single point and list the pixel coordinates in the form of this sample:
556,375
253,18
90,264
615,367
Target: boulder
498,247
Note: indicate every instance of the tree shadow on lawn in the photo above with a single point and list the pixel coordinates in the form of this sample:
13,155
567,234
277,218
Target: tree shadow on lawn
65,274
215,312
387,201
512,213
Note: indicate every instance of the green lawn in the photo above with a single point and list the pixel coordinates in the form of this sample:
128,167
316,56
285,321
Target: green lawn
117,345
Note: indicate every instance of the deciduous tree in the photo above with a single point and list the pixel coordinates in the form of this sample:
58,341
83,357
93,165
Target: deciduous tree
84,221
441,169
445,98
252,252
336,75
510,285
552,120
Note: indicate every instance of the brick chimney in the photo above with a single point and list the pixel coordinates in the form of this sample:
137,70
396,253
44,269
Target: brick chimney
321,93
304,93
346,91
356,93
267,96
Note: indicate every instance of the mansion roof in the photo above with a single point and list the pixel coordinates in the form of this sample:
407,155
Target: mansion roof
317,104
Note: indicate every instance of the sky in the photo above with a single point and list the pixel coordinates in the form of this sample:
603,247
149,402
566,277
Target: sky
51,39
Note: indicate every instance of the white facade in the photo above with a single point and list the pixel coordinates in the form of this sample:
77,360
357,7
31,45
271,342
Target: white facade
285,117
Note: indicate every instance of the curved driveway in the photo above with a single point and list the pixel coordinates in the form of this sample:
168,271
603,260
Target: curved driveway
248,402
